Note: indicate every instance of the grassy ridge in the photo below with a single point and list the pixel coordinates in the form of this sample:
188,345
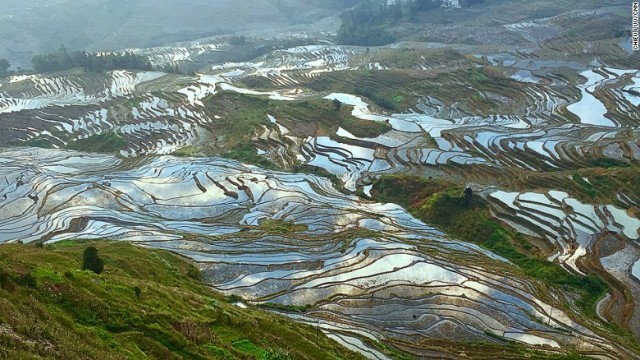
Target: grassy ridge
241,114
50,309
107,142
443,204
247,154
399,90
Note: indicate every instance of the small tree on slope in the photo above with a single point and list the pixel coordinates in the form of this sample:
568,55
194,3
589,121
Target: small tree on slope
91,260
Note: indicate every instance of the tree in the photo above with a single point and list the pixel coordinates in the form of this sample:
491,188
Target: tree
5,281
92,261
336,104
94,62
468,195
366,24
27,280
4,68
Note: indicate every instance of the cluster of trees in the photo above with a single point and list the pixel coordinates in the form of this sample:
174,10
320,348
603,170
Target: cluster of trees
4,68
238,40
366,24
95,62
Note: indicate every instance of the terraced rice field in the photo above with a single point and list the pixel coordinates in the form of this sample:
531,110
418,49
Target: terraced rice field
369,272
366,266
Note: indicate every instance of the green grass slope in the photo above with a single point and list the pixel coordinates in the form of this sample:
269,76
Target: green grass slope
49,308
442,203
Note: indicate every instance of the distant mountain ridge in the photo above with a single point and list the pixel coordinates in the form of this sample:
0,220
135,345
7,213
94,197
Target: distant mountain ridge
32,27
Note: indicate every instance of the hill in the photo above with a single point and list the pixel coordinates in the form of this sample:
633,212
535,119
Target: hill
49,308
28,28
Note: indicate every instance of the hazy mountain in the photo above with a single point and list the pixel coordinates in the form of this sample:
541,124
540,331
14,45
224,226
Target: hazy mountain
31,27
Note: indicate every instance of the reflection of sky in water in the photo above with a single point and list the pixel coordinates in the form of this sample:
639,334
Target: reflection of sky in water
589,109
163,195
541,64
525,76
364,262
625,44
635,270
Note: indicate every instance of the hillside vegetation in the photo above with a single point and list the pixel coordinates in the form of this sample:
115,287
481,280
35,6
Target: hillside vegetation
444,205
242,114
146,304
63,60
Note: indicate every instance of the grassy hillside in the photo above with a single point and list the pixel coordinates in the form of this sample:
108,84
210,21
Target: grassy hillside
240,116
443,204
49,308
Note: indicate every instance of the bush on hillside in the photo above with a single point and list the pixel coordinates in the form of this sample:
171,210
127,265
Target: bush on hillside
92,261
4,68
27,280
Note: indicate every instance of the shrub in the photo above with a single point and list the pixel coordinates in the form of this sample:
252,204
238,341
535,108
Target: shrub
247,154
27,280
5,281
4,68
336,104
91,260
107,142
194,273
276,354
